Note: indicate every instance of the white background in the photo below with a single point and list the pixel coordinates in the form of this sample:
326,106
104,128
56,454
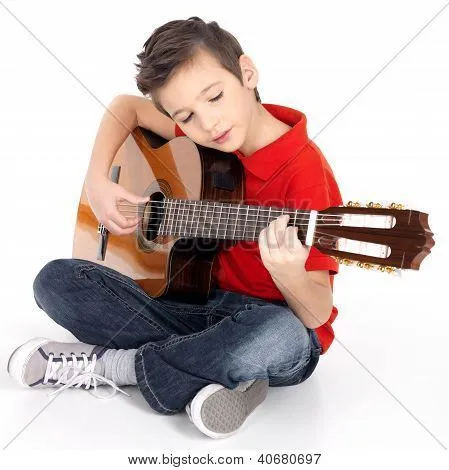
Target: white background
383,385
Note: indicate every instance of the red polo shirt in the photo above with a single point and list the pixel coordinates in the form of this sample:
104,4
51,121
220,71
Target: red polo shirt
289,172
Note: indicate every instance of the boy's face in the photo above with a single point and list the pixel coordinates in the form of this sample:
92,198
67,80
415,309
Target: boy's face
226,105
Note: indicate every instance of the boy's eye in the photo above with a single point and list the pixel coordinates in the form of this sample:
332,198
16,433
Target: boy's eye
216,98
187,119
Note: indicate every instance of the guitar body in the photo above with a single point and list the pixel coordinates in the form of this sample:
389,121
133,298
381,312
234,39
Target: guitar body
163,265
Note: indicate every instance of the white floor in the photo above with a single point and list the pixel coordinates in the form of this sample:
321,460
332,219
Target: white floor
381,385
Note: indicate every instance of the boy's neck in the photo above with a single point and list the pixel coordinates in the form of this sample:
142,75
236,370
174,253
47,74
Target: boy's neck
264,128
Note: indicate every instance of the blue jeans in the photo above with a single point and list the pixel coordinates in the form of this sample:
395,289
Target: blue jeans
181,347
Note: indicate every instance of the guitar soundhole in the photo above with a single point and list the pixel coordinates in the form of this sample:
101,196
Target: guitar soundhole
155,215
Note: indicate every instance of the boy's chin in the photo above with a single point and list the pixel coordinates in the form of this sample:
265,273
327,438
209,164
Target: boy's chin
224,147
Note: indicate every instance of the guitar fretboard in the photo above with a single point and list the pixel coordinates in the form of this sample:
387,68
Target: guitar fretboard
216,220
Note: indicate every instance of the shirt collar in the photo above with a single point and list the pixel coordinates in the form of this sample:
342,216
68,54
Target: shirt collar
264,162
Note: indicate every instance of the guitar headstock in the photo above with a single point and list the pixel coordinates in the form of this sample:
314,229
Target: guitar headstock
386,238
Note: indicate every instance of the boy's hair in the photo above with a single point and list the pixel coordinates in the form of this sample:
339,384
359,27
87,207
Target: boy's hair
176,43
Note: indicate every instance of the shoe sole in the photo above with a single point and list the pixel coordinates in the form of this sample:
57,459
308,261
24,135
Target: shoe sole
20,356
219,412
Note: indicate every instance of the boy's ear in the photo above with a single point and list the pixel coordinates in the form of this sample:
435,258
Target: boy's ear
250,74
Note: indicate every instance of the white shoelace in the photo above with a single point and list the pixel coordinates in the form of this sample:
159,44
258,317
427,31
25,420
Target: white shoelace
83,374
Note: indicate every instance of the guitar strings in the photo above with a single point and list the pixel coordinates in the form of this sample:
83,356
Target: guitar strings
317,234
183,232
216,222
184,217
177,205
167,222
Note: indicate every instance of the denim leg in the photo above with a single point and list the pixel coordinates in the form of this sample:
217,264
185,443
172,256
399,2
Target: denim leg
180,347
101,306
255,340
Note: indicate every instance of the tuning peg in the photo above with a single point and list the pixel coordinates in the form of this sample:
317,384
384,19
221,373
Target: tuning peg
375,205
395,205
344,261
387,269
361,264
390,269
353,204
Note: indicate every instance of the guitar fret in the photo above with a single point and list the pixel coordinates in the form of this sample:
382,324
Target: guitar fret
193,218
211,220
256,222
181,216
236,220
176,217
227,221
187,205
198,219
205,219
219,217
187,214
246,220
202,218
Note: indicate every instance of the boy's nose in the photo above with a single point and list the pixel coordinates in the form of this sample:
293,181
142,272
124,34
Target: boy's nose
210,125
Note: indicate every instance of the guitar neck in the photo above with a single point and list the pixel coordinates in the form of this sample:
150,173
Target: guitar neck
228,221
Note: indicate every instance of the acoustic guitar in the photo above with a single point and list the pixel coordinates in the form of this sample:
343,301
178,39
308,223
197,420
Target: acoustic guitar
196,208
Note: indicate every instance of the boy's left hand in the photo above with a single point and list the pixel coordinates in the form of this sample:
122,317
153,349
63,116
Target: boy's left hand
281,250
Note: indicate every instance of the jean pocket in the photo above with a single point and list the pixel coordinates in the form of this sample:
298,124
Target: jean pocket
185,308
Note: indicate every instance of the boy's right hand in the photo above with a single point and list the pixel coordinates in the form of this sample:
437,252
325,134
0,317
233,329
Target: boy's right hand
104,195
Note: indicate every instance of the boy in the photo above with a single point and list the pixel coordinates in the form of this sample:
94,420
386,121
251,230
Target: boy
269,319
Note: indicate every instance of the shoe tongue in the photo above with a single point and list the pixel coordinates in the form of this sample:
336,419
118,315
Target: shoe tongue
37,368
67,369
66,349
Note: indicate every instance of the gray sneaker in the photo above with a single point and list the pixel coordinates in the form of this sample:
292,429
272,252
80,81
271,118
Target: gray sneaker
219,412
42,363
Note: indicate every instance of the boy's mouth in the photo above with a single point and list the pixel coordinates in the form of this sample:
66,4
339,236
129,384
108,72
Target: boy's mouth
222,136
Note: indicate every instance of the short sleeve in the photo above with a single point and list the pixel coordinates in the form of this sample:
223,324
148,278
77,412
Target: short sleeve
318,198
178,131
